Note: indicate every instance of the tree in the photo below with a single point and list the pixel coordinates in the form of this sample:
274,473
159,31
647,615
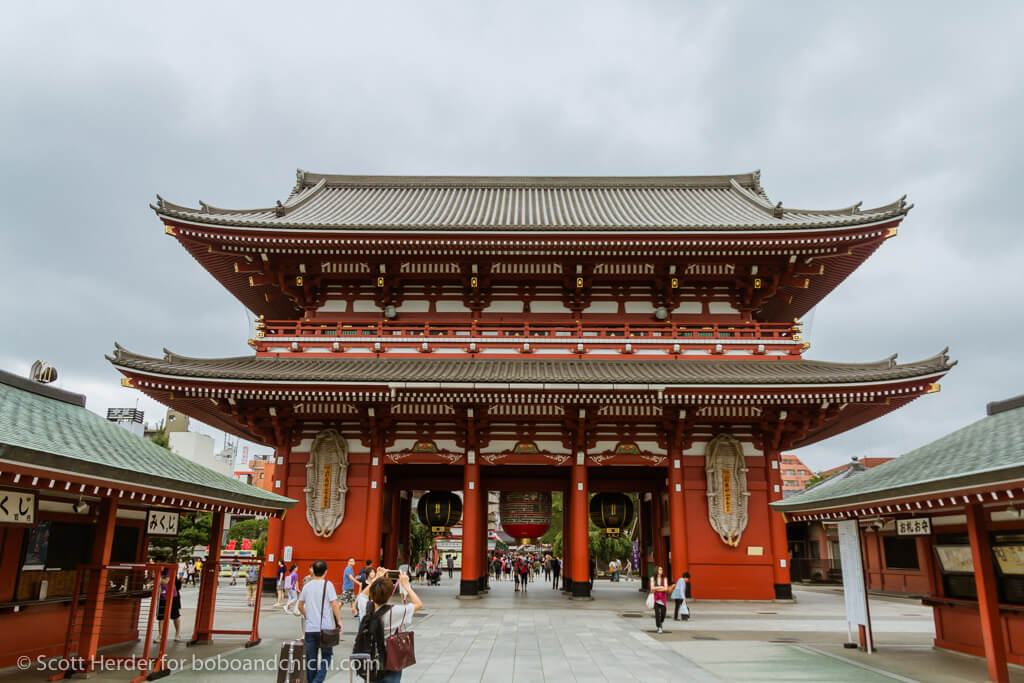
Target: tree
817,478
162,438
253,529
421,540
193,530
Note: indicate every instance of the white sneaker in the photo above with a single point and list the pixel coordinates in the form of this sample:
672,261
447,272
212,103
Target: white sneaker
659,629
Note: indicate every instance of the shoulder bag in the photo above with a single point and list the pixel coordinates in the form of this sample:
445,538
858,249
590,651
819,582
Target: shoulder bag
329,637
401,647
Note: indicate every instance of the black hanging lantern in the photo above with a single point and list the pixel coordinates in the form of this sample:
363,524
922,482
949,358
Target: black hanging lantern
611,512
440,510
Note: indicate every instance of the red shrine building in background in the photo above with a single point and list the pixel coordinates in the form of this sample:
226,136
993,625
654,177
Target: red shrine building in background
572,334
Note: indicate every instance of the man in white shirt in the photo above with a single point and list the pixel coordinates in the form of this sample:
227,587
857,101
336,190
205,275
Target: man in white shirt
320,609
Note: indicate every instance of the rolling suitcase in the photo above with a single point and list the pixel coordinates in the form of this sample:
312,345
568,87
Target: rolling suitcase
291,665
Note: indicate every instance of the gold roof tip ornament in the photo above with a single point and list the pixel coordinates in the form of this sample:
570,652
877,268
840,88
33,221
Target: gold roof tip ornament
170,230
127,382
933,388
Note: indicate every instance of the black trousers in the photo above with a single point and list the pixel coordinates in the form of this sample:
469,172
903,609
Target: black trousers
554,581
679,603
450,570
659,614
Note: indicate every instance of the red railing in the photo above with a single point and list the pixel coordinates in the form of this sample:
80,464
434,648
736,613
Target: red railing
331,331
579,338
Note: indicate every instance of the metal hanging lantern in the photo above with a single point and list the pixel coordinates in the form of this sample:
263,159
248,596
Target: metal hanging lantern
440,510
525,515
611,512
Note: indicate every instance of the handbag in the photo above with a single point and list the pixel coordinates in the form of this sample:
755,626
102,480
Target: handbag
400,648
329,637
650,601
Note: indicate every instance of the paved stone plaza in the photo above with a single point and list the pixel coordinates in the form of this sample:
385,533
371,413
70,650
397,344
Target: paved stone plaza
542,636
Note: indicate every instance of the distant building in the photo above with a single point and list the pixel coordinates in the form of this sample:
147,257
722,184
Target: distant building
814,546
127,418
795,474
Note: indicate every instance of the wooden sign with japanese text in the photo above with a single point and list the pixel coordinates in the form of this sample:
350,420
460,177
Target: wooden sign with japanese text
161,523
17,508
915,526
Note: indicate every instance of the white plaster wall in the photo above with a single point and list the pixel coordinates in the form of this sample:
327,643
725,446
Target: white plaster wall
603,307
721,307
364,306
505,307
690,307
639,307
549,307
334,306
414,306
450,306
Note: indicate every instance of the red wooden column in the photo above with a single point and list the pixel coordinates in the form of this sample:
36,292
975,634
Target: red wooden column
92,619
484,584
275,525
469,584
580,538
657,525
567,542
374,502
404,526
988,600
777,527
680,558
391,547
207,600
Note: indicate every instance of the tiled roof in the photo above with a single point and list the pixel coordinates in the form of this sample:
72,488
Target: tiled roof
560,371
554,204
989,451
40,430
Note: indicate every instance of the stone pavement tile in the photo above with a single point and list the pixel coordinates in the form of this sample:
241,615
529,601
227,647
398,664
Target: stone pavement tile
748,661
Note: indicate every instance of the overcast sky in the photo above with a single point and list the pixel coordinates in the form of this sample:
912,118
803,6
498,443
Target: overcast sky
105,104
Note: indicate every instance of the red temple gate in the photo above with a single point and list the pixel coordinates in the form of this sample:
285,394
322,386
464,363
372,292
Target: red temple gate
535,334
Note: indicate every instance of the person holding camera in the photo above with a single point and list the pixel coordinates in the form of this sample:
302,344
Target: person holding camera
380,620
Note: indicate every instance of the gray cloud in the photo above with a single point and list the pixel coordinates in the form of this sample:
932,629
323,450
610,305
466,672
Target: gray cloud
106,104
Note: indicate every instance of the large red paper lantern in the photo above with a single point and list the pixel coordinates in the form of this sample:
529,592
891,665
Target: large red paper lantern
525,515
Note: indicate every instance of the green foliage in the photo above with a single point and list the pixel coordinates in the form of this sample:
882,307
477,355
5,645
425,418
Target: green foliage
606,548
162,438
421,540
253,529
260,547
816,478
193,530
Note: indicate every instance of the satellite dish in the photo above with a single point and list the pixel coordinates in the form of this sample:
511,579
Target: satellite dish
43,372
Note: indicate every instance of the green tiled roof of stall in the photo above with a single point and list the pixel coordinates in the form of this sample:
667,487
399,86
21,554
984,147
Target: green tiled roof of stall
44,426
990,451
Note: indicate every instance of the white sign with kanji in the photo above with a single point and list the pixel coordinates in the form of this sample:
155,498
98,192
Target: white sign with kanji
17,507
162,523
914,526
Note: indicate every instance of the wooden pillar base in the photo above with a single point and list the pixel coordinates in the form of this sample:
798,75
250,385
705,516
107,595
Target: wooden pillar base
783,591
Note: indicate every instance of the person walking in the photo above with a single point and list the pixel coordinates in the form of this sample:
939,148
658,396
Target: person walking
681,591
291,586
318,605
348,582
252,579
450,561
659,587
629,570
611,571
282,572
380,620
174,587
192,572
524,571
234,571
556,572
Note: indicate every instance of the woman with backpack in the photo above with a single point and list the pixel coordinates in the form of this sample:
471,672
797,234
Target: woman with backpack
380,620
